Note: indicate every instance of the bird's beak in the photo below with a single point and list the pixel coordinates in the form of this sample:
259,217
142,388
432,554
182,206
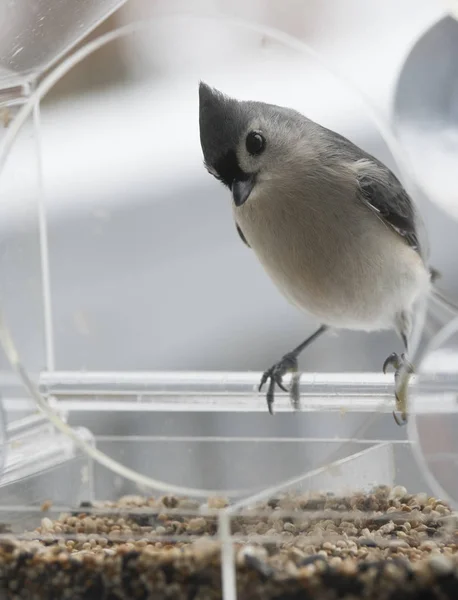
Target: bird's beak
241,189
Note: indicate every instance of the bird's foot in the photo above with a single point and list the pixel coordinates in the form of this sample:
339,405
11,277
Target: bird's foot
274,375
403,370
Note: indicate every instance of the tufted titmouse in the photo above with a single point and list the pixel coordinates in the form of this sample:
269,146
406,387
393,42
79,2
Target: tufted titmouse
331,225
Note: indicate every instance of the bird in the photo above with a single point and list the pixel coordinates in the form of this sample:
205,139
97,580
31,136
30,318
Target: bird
331,225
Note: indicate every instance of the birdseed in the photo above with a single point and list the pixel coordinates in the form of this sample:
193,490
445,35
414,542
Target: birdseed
385,545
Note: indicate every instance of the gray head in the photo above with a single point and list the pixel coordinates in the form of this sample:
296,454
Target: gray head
245,142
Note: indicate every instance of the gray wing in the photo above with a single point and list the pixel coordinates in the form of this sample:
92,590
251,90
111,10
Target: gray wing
380,190
386,196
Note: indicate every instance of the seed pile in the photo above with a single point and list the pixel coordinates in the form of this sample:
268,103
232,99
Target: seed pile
383,545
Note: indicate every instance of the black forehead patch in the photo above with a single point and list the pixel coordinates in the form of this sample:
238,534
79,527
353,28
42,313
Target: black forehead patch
222,123
228,168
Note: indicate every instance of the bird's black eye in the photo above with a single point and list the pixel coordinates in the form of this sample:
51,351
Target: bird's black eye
255,142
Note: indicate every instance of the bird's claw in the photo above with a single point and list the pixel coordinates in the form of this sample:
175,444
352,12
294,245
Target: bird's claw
275,376
400,414
397,362
400,363
393,360
402,420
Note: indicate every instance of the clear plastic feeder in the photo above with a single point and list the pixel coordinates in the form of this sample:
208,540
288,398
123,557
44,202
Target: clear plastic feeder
35,35
125,446
435,413
425,122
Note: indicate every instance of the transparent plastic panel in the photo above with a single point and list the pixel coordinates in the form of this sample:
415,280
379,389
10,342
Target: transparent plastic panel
127,282
435,414
36,33
425,119
21,294
159,474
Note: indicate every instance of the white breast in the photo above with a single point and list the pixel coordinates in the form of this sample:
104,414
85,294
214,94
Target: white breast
345,267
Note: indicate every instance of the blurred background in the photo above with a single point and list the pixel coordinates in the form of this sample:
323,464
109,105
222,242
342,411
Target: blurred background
147,271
